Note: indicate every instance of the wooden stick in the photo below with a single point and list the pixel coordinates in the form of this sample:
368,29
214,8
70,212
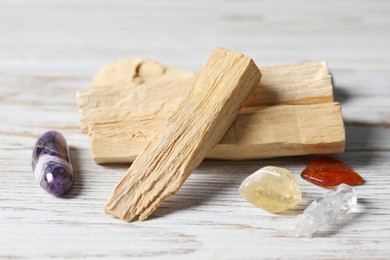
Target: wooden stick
275,131
199,123
130,72
304,83
152,99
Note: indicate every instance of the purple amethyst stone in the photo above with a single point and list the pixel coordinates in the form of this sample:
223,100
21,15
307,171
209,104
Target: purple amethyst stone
51,163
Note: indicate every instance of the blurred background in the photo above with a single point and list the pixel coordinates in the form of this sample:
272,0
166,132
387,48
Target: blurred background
182,33
61,44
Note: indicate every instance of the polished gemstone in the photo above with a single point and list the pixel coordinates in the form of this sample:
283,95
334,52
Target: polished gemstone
326,209
271,188
329,172
51,163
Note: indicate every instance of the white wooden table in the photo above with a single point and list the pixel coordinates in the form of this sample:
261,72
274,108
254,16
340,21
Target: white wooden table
50,49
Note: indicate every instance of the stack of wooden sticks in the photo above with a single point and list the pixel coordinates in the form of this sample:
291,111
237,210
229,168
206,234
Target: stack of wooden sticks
167,121
290,113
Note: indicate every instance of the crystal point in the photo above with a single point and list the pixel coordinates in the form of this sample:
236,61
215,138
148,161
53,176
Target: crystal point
326,209
271,188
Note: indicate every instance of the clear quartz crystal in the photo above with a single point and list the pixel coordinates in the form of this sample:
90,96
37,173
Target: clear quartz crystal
326,209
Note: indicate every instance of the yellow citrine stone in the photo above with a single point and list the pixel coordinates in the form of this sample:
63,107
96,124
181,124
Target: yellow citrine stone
272,188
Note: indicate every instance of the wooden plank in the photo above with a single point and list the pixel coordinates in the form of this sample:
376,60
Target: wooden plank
200,122
304,83
265,132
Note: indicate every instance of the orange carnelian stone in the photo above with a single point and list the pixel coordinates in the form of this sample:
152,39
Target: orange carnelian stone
329,172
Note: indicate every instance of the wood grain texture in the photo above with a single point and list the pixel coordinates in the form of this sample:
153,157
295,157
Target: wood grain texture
130,72
154,99
199,123
49,50
264,132
166,88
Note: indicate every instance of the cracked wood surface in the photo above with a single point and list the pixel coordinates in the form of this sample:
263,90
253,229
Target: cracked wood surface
49,50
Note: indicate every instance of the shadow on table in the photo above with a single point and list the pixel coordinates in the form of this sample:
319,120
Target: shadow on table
340,95
359,134
214,179
360,137
78,178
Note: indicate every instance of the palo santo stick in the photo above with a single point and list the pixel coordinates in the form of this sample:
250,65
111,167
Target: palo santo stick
130,72
304,83
152,99
274,131
191,131
302,78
